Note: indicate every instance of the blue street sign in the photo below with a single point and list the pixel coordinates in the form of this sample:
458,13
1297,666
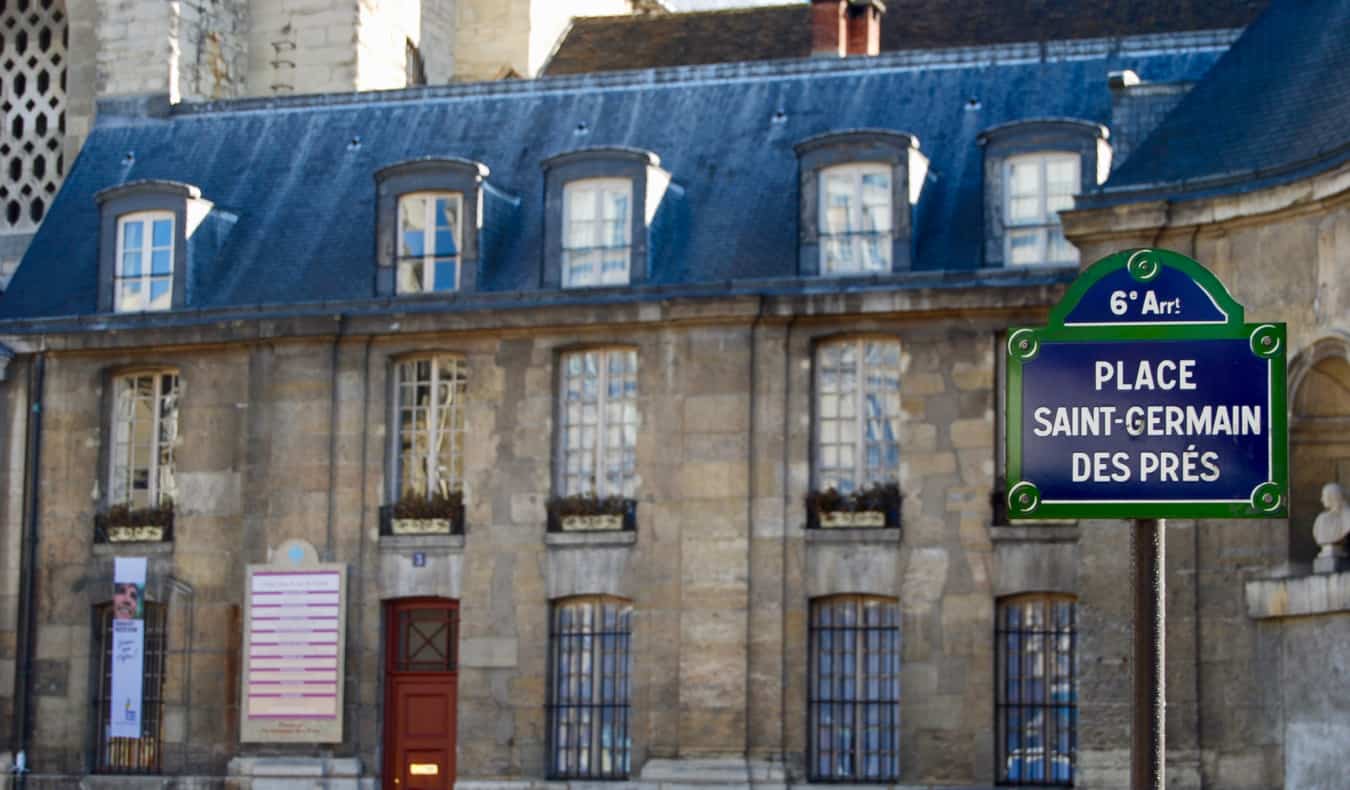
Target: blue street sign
1147,397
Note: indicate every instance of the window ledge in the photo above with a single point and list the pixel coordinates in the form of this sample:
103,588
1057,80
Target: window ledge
854,535
133,548
448,543
1035,532
615,538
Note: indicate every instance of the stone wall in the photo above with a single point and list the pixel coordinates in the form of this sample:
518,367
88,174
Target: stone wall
494,38
383,30
286,437
212,44
1283,253
302,46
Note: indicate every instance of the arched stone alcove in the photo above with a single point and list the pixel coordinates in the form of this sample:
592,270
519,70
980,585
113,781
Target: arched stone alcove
1319,435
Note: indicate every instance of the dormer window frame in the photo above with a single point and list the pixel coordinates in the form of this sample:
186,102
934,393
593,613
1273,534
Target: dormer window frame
429,176
142,201
1025,140
859,149
432,257
598,193
138,269
647,186
1044,226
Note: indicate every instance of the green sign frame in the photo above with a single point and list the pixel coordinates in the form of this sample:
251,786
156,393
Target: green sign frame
1266,340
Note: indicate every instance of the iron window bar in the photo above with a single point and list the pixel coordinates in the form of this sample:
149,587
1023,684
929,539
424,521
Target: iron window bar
853,697
1036,711
130,755
589,689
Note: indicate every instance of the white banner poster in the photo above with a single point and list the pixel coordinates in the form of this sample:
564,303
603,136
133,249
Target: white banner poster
128,648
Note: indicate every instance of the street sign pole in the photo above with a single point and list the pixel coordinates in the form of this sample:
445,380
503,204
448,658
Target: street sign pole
1146,397
1148,742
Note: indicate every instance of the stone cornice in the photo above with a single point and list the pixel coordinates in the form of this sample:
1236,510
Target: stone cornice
1128,220
1015,295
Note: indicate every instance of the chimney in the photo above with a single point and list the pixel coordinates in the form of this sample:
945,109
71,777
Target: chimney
840,28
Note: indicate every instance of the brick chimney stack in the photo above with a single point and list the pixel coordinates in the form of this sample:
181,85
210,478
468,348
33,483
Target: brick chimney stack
840,28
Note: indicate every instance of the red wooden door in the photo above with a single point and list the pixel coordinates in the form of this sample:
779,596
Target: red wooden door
421,678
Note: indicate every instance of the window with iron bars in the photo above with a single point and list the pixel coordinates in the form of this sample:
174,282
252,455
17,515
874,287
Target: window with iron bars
129,755
1036,706
854,689
589,691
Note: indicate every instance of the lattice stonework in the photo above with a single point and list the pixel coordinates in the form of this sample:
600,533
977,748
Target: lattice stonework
33,99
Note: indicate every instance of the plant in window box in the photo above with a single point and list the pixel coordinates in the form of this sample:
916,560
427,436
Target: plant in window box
876,505
441,513
125,524
591,513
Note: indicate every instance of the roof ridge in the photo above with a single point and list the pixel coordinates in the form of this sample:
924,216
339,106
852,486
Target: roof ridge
897,60
634,18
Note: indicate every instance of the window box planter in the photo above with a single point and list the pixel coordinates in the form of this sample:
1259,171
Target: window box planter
122,524
877,506
435,515
591,514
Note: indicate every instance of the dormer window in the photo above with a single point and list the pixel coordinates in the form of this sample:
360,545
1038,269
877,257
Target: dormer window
148,231
1039,186
432,217
145,246
603,207
597,234
429,241
858,192
1032,171
855,219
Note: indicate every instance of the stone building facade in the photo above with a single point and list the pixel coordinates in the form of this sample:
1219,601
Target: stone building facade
290,332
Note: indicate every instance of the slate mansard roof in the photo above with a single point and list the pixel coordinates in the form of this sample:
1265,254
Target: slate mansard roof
614,43
297,175
1275,107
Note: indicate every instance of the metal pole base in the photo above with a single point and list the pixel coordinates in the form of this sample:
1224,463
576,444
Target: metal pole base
1147,747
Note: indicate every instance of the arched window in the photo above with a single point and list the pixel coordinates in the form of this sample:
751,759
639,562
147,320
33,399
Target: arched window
589,689
145,253
429,239
130,755
855,219
854,688
431,426
857,413
598,423
597,232
1037,187
143,440
1036,689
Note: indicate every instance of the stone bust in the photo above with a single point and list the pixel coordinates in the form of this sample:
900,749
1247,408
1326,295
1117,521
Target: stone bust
1333,524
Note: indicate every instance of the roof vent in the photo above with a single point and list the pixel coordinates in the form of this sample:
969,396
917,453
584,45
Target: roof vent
1120,80
840,28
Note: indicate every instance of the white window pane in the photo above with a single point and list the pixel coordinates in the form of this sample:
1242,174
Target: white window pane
132,235
446,276
1061,176
162,235
130,296
1024,177
1024,246
1025,209
1060,248
160,293
410,276
131,264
